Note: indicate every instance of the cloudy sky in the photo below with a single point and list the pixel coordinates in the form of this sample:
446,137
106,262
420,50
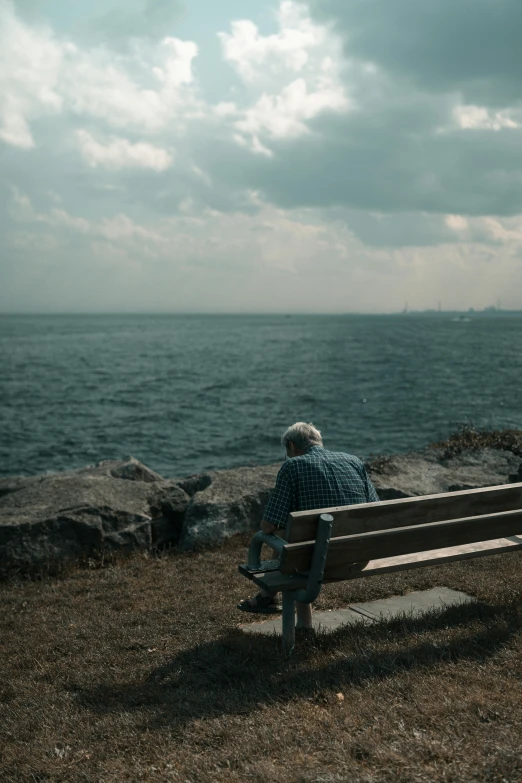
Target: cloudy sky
260,156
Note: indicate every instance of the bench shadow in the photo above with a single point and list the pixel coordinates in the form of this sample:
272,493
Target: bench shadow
239,673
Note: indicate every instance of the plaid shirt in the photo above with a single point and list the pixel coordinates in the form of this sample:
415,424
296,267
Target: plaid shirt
318,479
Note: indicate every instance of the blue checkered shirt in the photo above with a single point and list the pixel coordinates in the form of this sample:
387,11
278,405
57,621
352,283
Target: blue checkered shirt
318,479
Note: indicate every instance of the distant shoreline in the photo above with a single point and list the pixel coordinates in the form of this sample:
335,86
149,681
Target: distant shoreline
470,313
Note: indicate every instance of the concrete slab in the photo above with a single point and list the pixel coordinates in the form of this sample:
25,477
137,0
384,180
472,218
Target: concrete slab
413,605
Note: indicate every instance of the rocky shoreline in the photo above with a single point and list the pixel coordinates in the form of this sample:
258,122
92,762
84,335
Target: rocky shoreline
122,505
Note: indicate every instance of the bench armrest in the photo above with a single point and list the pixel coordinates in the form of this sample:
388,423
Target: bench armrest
254,550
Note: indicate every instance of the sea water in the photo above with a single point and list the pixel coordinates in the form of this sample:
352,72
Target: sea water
185,393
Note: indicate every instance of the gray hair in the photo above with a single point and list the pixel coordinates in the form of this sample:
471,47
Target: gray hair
302,435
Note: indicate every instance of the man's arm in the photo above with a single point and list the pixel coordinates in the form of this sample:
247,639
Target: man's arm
280,503
373,497
267,527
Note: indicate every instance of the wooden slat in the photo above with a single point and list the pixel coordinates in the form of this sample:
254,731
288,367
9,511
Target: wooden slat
404,540
265,565
365,517
431,557
275,580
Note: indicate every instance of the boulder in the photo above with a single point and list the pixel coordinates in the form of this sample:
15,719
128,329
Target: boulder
516,478
168,502
12,483
232,502
195,483
115,505
128,468
432,470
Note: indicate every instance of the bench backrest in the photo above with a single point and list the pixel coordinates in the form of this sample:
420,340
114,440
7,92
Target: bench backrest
377,530
366,517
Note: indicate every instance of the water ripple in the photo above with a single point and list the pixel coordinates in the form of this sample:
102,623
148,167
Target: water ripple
189,393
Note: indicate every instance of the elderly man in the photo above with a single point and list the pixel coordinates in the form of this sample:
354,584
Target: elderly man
310,478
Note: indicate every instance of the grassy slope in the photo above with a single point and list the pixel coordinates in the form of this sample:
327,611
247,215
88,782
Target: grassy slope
137,671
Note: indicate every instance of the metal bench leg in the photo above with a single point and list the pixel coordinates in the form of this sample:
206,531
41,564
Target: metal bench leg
304,615
288,621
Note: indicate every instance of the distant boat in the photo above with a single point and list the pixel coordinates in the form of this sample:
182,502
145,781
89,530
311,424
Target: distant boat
461,319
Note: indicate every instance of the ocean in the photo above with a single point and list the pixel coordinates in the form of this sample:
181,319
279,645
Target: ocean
187,393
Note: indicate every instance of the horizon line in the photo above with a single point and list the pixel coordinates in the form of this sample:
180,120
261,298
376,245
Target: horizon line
426,311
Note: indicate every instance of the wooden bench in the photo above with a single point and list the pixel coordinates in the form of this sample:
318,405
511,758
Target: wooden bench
322,546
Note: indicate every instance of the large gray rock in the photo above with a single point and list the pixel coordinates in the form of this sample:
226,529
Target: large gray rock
168,503
431,471
128,468
123,505
74,514
232,502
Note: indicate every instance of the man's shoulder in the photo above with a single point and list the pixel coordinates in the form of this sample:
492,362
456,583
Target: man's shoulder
291,467
341,456
316,455
319,454
286,468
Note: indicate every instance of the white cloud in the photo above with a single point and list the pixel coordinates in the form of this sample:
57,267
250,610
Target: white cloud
177,68
203,259
488,230
30,64
22,211
120,153
98,84
38,244
59,217
456,222
479,117
225,109
296,69
41,74
271,238
253,54
285,115
119,228
292,75
501,230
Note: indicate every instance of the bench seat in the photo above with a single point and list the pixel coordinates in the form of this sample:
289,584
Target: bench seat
274,580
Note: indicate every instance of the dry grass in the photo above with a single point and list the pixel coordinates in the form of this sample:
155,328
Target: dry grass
469,438
137,672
